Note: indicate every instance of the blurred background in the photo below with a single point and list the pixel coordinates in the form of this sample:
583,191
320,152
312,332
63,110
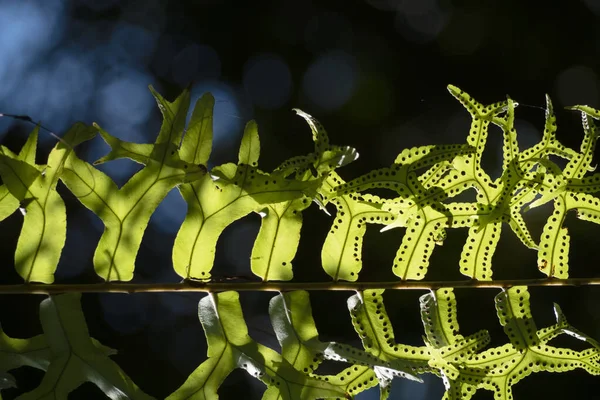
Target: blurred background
374,72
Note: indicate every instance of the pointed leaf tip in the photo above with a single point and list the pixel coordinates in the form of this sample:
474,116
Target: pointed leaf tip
453,89
250,148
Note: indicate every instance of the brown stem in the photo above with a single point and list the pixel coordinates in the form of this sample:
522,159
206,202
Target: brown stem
37,288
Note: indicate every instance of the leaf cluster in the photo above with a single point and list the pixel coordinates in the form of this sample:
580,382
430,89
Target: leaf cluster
421,182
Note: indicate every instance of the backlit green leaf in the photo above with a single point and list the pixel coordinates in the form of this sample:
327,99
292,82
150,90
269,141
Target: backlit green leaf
75,357
125,212
230,347
44,224
499,368
227,194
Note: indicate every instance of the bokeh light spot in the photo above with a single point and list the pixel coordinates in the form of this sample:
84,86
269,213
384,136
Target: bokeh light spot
125,99
195,62
464,33
268,81
330,80
26,30
132,43
422,21
123,107
327,31
577,85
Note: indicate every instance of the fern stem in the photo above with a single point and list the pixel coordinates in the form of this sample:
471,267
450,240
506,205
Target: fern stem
36,288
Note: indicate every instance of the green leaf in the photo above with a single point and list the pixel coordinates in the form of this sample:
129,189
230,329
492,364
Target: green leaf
230,347
295,328
8,203
33,352
250,147
553,256
477,138
197,142
440,317
423,231
577,166
325,159
341,253
278,240
549,144
229,193
448,349
44,224
499,368
174,116
139,153
126,212
76,358
293,324
476,256
445,349
395,177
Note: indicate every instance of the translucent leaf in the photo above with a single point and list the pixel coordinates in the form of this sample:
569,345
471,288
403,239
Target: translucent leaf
439,316
553,255
250,147
517,224
499,368
592,112
33,352
325,159
580,163
395,177
356,379
445,348
294,326
587,206
482,116
423,231
278,240
476,256
412,258
174,116
76,358
239,190
515,316
126,212
197,142
341,253
588,184
230,347
138,152
549,144
510,147
8,203
44,224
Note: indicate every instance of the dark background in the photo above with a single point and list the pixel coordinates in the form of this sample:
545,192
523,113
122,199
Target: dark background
374,72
